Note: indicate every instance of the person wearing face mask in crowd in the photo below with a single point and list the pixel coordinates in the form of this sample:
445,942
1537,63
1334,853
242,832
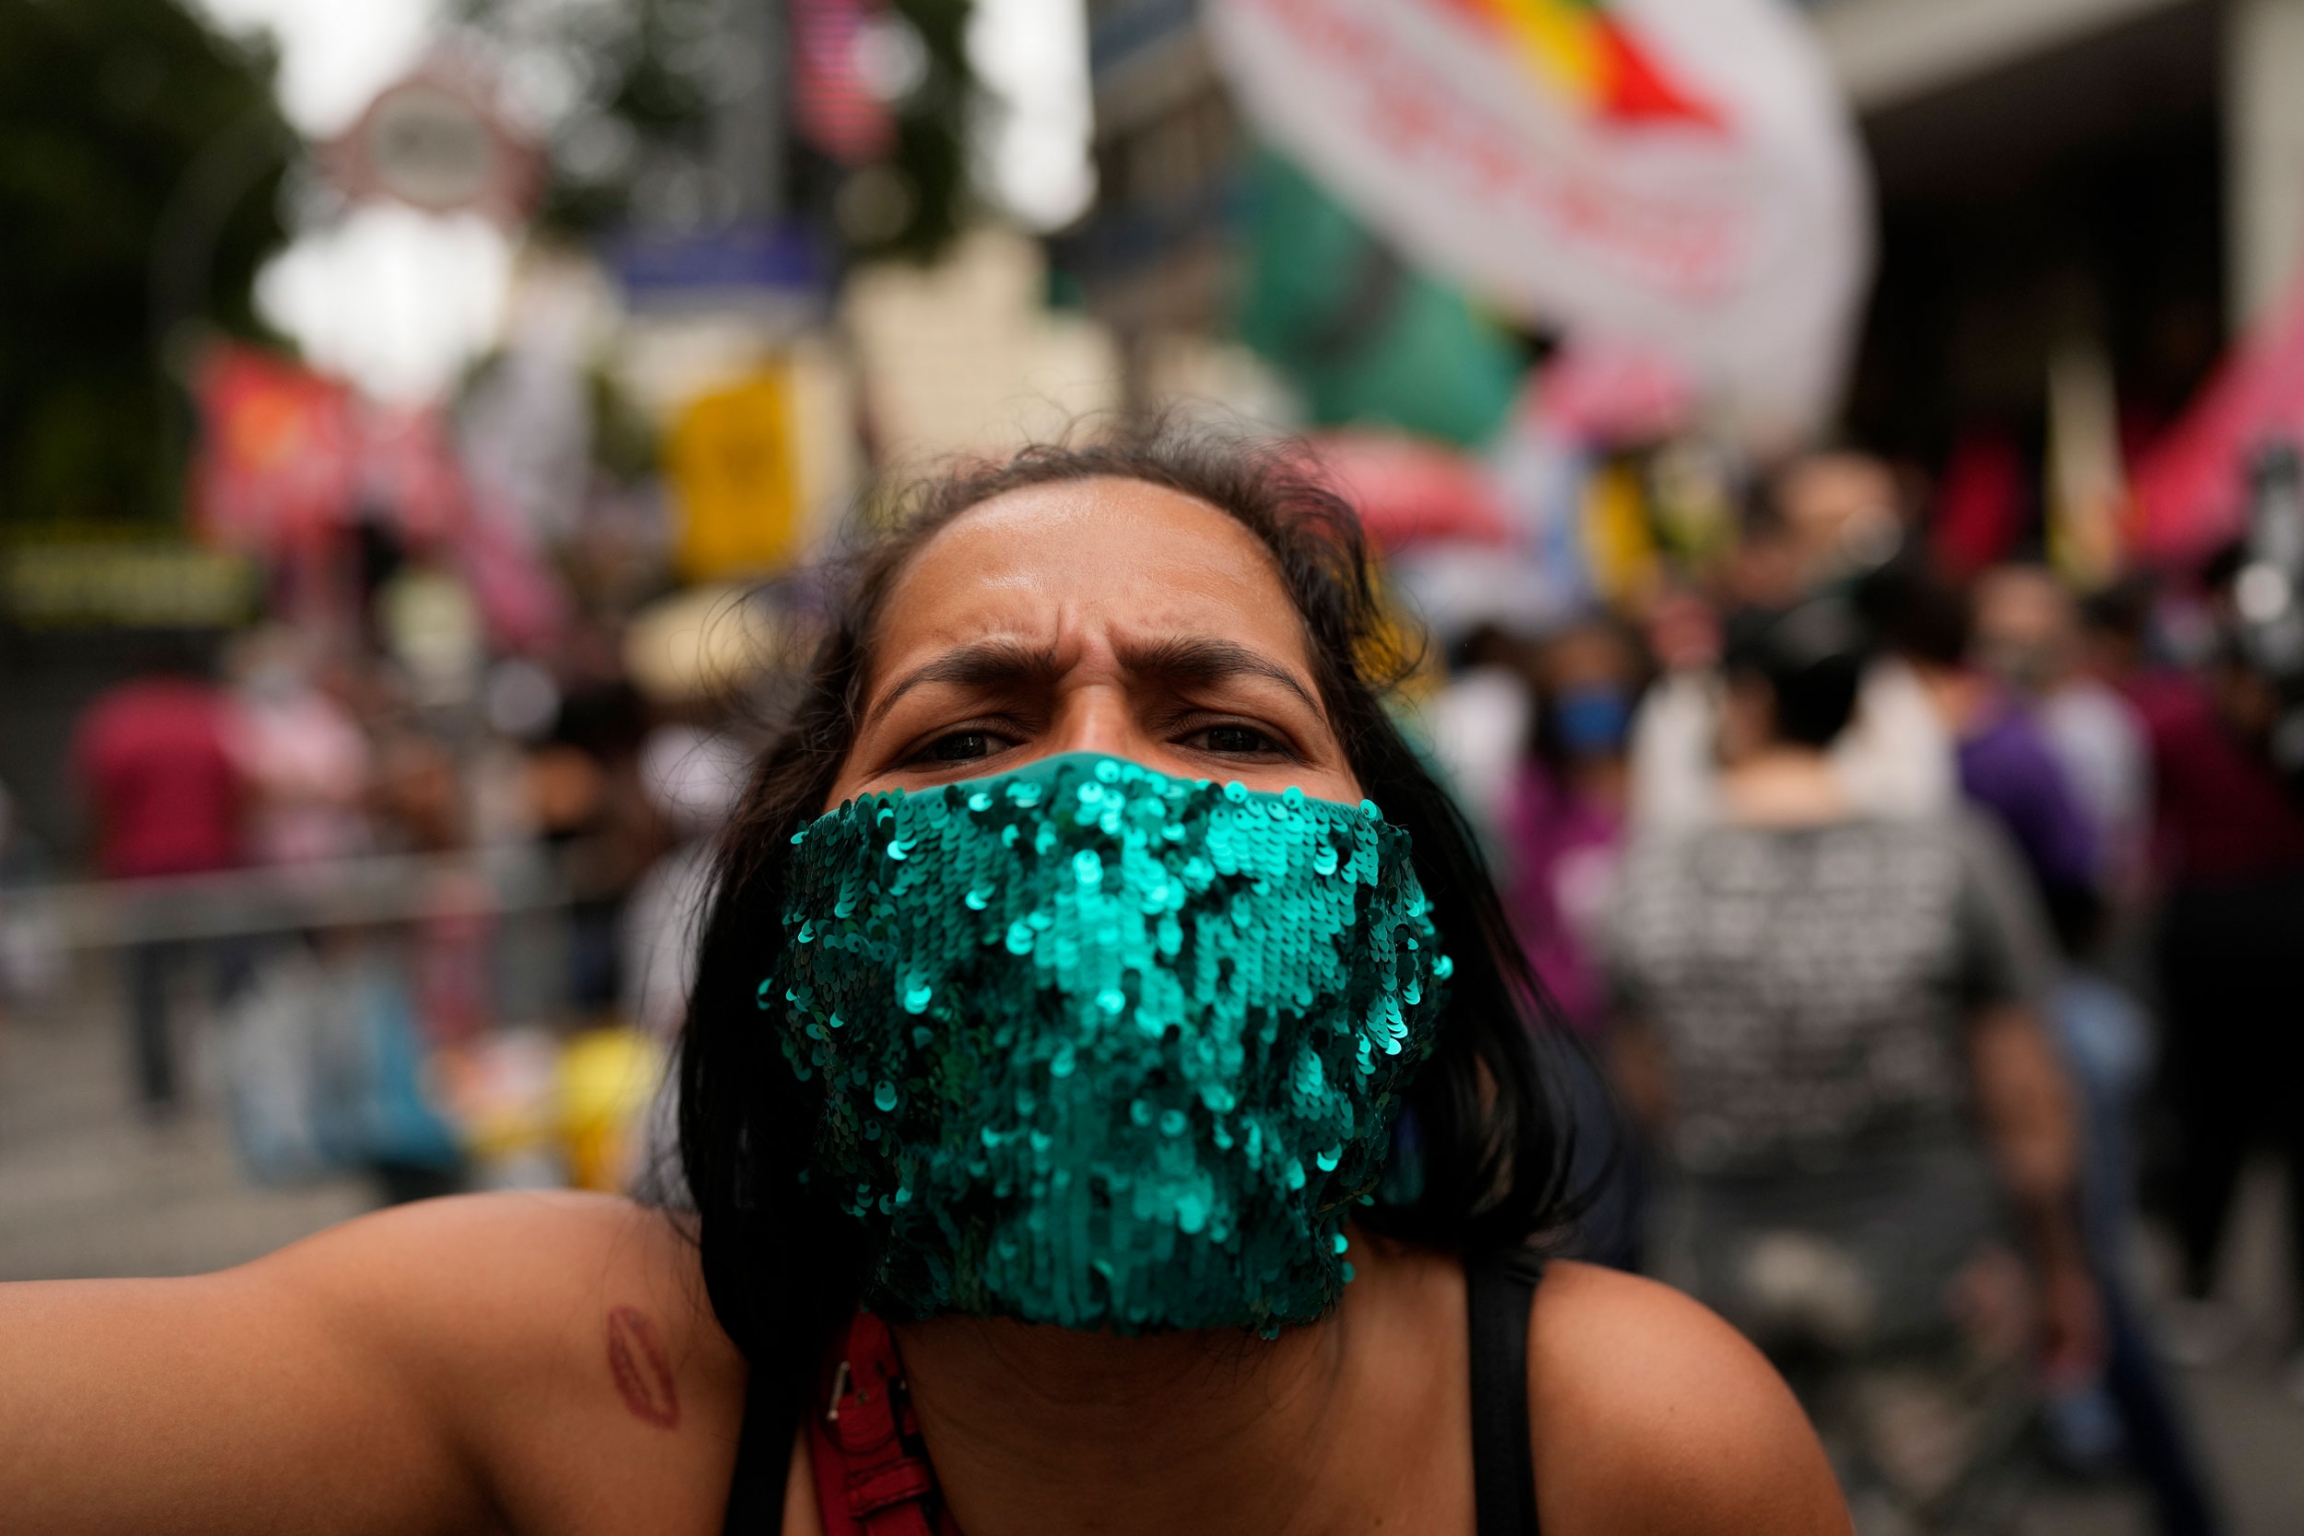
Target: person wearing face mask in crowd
1111,1099
1566,815
1564,832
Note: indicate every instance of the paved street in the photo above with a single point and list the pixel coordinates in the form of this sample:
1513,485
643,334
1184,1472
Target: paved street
88,1188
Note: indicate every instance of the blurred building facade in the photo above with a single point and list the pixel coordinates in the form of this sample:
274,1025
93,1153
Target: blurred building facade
2112,181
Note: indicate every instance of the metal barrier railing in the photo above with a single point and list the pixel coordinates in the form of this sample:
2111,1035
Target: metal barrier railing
339,893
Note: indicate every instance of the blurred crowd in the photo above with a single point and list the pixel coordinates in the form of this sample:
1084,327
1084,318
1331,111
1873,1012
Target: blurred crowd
441,934
1789,840
1887,901
1912,864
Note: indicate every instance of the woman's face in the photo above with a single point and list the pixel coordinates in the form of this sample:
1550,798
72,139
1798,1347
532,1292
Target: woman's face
1102,615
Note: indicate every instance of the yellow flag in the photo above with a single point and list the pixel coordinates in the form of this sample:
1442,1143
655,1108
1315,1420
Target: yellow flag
1619,548
731,462
2087,484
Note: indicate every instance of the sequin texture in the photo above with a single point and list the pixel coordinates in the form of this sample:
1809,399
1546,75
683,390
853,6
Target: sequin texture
1101,1047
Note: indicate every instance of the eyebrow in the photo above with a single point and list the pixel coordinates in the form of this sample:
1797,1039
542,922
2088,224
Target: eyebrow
1181,660
1205,659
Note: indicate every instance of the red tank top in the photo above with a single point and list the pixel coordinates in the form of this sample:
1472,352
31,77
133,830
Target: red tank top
872,1476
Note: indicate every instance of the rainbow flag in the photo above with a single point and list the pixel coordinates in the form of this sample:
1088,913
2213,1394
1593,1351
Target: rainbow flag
1587,56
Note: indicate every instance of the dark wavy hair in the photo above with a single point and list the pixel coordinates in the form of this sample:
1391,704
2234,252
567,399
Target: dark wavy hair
1486,1117
1811,658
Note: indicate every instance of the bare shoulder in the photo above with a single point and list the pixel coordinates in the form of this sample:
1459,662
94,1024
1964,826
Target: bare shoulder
1649,1413
567,1336
509,1254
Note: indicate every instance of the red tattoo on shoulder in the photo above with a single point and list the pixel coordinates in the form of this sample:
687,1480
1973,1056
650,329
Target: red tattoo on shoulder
643,1375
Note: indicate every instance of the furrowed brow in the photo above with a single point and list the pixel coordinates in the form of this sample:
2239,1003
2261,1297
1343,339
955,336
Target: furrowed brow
1200,659
986,664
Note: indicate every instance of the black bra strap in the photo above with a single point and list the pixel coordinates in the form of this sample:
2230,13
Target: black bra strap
1499,1288
763,1463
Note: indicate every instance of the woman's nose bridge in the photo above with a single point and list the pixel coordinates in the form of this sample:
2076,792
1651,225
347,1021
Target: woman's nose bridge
1097,718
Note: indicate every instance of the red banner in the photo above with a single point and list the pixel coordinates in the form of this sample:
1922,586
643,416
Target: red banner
278,457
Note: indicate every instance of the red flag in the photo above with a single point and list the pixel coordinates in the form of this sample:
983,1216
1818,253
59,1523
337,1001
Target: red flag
1411,491
277,457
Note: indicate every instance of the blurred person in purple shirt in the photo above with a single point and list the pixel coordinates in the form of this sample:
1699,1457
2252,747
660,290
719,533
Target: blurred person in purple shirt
2009,767
2002,756
2031,635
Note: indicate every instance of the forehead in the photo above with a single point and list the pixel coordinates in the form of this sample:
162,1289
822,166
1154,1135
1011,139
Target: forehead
1052,564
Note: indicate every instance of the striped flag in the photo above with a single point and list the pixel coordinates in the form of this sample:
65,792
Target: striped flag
833,102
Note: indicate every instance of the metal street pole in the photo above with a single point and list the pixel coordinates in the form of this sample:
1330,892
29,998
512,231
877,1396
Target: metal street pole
184,240
748,117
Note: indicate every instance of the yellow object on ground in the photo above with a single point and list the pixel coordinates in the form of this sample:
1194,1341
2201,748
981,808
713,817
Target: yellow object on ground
608,1078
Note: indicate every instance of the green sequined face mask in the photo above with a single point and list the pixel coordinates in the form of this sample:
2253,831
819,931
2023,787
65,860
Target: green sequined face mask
1104,1048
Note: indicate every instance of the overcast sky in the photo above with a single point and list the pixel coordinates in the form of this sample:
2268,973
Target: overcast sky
334,54
400,300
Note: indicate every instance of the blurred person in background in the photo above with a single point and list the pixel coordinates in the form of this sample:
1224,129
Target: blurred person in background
1126,621
1822,524
694,772
1564,832
153,761
695,768
2029,636
1830,1023
2028,641
1565,816
422,795
1479,722
2002,757
2228,847
303,755
600,821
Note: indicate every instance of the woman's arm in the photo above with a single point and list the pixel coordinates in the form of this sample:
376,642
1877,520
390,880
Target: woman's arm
497,1363
218,1403
2025,1104
2023,1101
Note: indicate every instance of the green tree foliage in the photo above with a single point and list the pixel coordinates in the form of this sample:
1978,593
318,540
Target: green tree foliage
931,128
628,94
638,90
111,113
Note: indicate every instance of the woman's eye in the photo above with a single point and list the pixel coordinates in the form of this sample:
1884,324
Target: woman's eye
1237,741
961,747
